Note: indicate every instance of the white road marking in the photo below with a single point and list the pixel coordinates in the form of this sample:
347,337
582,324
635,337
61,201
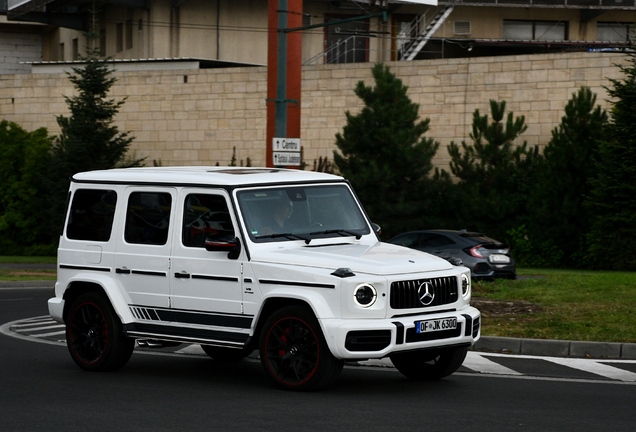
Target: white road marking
477,362
595,367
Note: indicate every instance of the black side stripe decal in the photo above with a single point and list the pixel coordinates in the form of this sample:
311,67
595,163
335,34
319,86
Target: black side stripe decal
191,317
216,278
148,273
300,284
74,267
181,332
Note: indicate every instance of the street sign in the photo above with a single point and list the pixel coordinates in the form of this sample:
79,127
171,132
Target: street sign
286,151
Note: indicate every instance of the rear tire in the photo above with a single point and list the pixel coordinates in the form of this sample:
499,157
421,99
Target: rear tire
94,334
294,353
431,364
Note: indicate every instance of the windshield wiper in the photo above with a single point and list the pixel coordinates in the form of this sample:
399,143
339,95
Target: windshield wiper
289,236
342,232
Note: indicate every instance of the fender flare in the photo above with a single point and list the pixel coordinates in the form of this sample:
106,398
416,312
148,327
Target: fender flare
113,290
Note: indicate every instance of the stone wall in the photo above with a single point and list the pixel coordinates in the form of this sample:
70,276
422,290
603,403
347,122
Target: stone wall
197,116
16,48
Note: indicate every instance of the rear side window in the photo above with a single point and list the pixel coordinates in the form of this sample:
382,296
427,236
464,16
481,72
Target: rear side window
91,215
148,218
436,240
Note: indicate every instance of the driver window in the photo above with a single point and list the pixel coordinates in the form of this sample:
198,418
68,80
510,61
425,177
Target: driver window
204,215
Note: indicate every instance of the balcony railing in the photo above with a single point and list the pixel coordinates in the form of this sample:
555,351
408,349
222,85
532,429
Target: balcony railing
571,4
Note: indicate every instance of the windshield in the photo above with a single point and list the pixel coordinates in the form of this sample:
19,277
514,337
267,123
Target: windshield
301,213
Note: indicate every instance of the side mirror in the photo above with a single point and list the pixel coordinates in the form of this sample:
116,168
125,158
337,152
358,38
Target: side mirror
376,228
224,243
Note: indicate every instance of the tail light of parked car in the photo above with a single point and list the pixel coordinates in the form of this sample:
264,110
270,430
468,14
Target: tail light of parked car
474,251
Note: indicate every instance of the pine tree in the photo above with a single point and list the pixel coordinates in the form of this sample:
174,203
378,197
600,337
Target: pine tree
559,219
88,140
383,153
494,174
613,198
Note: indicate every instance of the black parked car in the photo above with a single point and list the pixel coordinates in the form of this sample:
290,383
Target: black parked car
486,258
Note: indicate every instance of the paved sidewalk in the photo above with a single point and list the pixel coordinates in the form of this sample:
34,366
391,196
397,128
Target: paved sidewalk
531,347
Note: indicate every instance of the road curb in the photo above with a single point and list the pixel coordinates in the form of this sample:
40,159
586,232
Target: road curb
557,348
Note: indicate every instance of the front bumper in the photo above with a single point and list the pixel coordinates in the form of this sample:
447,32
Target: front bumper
352,339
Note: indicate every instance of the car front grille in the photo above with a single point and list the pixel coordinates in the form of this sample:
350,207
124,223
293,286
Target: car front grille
404,294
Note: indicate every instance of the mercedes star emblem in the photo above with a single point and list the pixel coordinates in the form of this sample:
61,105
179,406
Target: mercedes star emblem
426,293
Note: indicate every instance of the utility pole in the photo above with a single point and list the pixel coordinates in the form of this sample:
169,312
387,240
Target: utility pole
284,58
284,75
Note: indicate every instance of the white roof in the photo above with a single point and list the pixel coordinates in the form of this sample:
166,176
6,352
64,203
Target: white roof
203,175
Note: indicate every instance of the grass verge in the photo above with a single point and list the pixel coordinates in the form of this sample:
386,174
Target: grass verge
560,304
26,268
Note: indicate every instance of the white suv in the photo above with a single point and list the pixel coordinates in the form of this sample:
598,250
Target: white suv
238,259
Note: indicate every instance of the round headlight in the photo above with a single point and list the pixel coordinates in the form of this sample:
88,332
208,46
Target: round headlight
465,284
365,295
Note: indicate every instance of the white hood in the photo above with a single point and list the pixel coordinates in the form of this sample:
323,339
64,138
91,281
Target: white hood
377,259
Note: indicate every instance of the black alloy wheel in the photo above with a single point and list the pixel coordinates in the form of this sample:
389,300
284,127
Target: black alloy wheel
94,334
294,353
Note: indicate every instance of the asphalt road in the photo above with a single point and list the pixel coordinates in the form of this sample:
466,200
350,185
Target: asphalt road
42,389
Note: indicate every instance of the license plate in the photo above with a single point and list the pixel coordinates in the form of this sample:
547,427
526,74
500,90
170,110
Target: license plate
435,325
498,258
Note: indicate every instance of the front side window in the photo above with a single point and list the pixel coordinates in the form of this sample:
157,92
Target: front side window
301,213
204,215
148,218
91,215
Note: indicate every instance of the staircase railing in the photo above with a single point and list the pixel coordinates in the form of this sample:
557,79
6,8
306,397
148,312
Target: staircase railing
411,48
338,51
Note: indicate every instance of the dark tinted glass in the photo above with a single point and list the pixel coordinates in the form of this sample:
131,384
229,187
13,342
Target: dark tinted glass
148,218
91,215
204,215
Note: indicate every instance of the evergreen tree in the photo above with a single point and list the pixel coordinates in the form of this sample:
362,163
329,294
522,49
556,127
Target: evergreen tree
494,174
88,140
560,221
383,153
613,198
24,219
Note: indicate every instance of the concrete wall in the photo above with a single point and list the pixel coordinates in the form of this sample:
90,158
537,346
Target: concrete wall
200,121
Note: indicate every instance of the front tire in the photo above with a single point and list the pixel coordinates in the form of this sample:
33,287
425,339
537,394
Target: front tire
431,364
294,353
94,334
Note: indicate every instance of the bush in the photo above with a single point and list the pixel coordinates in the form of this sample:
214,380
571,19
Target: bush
24,214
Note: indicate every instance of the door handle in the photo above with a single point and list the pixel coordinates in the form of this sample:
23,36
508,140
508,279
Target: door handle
182,275
122,270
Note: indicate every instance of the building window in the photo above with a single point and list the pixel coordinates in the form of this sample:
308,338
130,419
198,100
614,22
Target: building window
102,42
614,32
61,52
140,24
119,37
535,30
75,49
129,34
